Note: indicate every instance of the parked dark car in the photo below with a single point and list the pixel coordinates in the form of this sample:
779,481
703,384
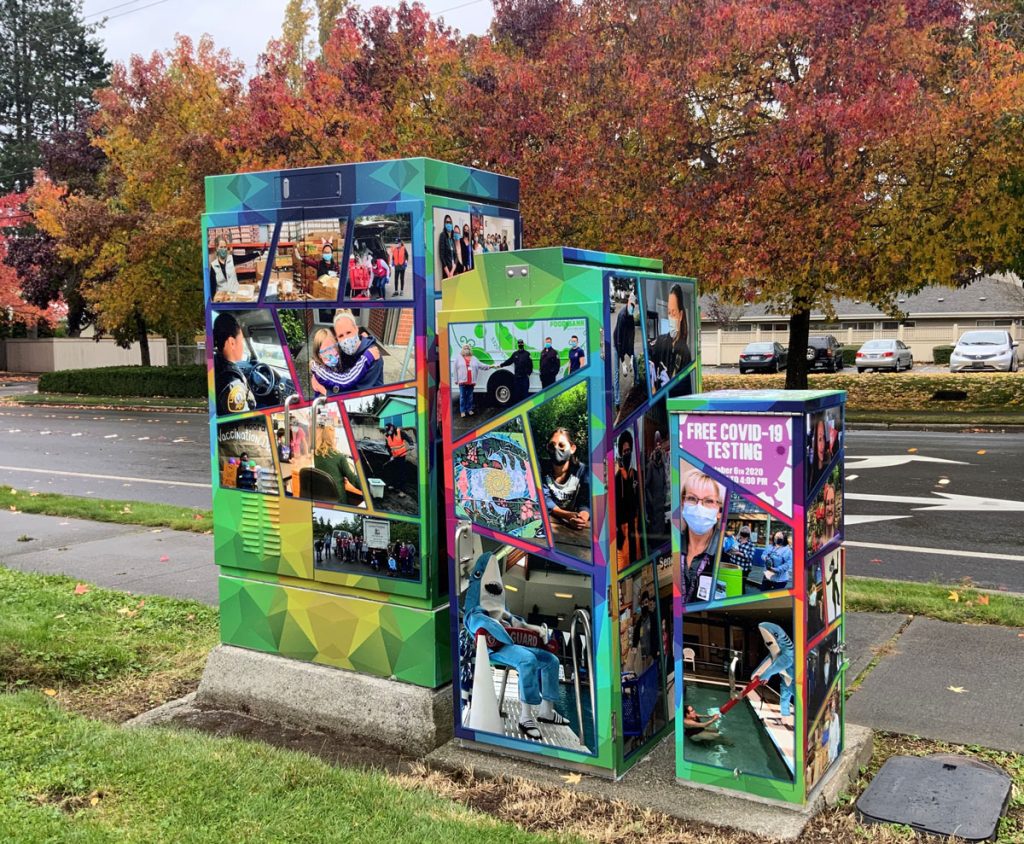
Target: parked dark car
824,352
763,357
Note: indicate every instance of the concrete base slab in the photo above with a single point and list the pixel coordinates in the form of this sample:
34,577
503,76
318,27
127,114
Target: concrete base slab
651,784
407,718
166,713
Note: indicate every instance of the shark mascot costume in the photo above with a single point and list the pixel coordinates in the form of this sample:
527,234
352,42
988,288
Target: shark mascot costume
781,660
537,668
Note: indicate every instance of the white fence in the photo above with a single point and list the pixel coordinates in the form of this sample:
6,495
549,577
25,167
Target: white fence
722,348
54,354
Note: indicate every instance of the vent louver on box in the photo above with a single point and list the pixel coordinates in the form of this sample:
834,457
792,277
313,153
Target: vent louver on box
261,526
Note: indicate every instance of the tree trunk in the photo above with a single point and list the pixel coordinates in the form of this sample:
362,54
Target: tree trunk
796,369
143,338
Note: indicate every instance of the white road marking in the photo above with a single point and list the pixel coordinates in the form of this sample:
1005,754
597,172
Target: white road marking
885,461
852,477
103,477
941,552
945,501
863,520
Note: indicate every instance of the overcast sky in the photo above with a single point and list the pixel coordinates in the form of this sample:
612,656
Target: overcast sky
242,26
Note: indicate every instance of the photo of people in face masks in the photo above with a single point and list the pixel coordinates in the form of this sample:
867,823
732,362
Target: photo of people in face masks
824,440
700,535
308,261
668,312
382,243
752,560
357,350
461,238
561,438
825,517
494,365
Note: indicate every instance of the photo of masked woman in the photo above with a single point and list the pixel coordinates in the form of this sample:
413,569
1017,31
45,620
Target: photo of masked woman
566,486
700,533
344,365
670,352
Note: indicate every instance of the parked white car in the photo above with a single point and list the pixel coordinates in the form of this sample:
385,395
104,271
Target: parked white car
990,348
884,354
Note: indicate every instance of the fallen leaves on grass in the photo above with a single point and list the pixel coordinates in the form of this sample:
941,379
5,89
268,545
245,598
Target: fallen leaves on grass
954,596
983,600
50,692
81,588
571,779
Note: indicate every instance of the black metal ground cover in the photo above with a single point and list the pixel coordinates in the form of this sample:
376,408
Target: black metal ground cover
942,795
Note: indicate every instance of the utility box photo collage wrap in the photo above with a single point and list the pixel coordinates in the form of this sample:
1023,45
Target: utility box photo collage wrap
545,663
757,580
316,348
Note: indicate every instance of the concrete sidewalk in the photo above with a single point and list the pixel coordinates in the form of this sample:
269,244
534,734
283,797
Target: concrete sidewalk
950,682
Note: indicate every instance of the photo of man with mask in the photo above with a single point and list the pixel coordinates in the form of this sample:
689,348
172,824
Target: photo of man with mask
627,503
700,536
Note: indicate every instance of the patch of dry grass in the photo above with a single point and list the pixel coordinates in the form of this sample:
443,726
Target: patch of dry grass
576,814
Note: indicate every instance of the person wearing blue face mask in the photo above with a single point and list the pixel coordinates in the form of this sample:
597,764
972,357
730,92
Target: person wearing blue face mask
550,364
333,372
778,561
702,513
327,265
577,357
446,248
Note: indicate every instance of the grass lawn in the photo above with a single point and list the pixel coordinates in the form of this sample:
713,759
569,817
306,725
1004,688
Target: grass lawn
104,652
119,402
76,779
966,418
107,510
961,602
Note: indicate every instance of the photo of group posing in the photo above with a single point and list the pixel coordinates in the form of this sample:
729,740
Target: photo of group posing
365,545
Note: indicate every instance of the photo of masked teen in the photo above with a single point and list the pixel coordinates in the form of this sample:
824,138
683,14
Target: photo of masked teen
562,443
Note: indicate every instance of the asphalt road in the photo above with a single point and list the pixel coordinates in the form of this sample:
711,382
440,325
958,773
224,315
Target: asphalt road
958,495
162,457
903,514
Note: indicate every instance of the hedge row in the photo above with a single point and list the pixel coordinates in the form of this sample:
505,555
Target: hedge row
942,354
133,381
907,391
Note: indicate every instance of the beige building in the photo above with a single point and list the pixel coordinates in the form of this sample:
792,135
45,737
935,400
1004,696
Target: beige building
936,316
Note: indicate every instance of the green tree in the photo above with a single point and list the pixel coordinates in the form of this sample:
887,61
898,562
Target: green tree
50,64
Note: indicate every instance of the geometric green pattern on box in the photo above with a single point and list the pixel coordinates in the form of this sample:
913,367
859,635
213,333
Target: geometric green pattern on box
386,640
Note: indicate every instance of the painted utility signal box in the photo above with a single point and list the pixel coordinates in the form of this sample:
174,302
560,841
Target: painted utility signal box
556,367
321,288
758,567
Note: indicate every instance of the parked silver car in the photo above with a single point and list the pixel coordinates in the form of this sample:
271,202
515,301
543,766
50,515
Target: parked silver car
884,354
991,348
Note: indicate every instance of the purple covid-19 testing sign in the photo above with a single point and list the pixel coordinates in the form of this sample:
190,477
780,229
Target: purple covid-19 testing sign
755,452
